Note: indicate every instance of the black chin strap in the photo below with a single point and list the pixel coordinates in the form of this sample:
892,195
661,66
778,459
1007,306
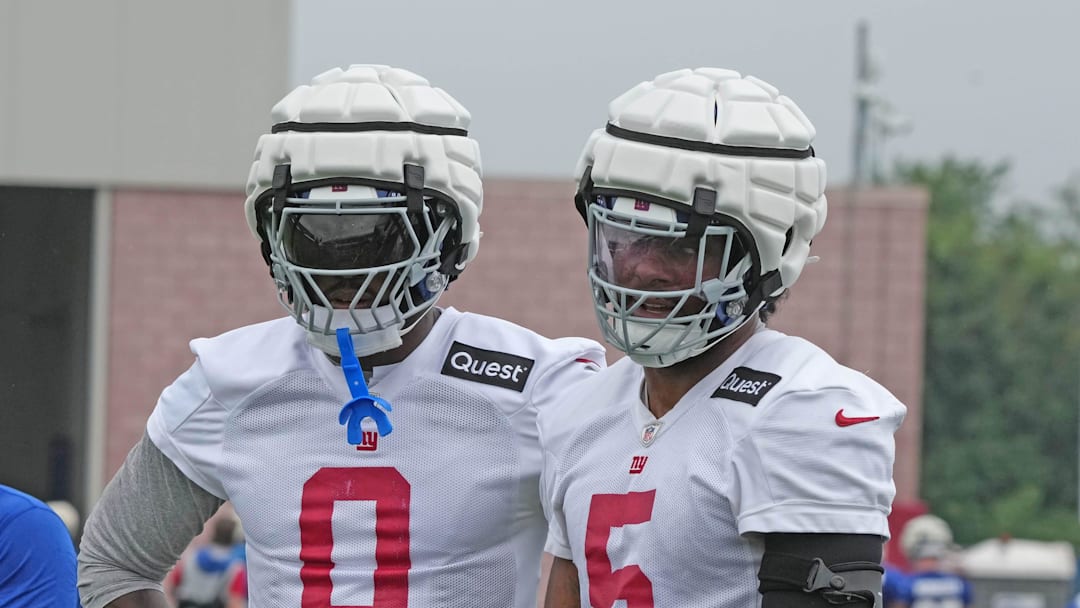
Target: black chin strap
763,289
702,209
584,194
414,188
279,191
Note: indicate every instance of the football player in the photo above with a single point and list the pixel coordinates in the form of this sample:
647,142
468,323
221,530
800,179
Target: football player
380,451
927,542
720,464
37,557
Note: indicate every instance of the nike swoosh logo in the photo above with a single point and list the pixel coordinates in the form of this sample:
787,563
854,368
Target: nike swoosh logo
842,420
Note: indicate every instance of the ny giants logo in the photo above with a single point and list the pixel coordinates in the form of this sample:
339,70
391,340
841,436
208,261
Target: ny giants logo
370,442
637,464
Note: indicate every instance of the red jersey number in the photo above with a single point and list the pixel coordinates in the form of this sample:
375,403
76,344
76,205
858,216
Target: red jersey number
391,494
607,511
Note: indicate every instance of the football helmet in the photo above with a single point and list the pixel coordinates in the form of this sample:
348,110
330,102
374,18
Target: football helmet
926,536
365,197
702,195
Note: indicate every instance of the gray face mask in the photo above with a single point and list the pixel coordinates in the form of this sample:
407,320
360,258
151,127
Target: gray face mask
354,258
662,297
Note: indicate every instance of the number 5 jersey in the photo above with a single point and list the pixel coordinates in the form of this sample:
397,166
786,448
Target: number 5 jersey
666,512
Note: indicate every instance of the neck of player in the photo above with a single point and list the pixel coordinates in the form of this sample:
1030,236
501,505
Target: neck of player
666,385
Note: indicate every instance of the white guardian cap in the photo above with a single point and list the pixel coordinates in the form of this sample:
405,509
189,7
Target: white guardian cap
365,197
702,195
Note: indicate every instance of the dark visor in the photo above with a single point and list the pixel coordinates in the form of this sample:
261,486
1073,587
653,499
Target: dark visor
347,241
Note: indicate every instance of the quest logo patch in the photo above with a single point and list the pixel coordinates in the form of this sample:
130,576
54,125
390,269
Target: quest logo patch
746,385
487,366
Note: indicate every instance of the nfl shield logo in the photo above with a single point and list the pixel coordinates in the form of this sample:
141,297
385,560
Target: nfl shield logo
648,434
640,205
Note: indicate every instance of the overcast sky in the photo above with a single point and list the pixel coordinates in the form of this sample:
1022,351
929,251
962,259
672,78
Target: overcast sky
977,78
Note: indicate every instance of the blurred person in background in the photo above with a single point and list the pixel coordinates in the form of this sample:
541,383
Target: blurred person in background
69,515
203,575
236,595
721,464
931,581
37,556
892,582
380,450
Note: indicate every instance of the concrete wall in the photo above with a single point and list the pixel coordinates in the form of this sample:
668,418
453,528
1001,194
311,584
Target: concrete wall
152,92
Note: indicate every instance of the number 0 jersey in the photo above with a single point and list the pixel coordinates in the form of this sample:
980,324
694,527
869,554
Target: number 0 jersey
665,512
442,511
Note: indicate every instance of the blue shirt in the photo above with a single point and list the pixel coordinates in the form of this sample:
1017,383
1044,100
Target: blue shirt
936,589
37,557
893,582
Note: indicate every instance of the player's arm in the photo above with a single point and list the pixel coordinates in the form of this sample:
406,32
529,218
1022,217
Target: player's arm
563,590
821,571
145,518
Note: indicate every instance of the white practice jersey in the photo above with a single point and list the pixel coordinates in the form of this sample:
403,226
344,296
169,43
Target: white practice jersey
666,513
443,511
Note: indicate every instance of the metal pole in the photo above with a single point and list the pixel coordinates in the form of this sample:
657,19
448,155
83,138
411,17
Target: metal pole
858,181
862,102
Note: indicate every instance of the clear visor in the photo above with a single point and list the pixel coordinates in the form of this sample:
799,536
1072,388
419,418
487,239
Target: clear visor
658,271
656,262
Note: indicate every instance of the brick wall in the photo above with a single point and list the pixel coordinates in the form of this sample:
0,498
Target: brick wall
184,265
864,302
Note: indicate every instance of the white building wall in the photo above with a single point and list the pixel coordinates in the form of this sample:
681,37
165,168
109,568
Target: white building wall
138,92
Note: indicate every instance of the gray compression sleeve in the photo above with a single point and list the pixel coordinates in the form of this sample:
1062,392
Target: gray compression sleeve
145,519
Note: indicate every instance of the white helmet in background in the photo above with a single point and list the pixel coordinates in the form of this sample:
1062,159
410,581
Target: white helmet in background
926,536
366,197
703,168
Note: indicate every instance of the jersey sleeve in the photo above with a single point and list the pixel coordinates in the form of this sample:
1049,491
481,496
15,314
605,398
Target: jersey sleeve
558,391
187,425
818,461
558,543
559,380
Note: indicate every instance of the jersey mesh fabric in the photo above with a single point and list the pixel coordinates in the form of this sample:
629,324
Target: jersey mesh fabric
443,511
689,517
462,537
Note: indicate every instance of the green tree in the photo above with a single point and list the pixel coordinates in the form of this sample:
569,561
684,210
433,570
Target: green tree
1002,388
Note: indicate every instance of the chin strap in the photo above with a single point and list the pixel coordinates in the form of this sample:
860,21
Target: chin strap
363,404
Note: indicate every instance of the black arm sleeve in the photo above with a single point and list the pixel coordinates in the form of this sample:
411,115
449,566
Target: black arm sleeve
144,520
834,550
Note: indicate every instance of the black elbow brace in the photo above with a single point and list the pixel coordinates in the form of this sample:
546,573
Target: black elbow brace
850,584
